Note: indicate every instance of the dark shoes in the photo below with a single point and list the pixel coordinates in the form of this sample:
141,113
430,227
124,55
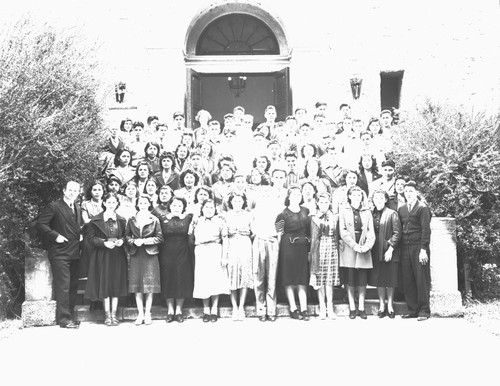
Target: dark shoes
381,314
409,316
262,318
206,318
179,318
213,318
296,315
362,314
422,318
71,325
305,315
352,314
391,314
170,318
271,318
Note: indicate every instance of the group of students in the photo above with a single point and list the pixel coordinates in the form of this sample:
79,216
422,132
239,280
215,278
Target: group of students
222,209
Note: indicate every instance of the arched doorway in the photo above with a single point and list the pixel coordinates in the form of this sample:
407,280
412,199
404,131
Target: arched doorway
234,40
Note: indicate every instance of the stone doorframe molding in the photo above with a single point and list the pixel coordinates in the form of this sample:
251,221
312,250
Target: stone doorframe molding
218,64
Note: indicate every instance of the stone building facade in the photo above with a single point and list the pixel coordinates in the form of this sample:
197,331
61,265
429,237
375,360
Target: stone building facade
404,52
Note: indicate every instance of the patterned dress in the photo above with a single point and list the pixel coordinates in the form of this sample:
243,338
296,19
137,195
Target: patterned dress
239,267
328,253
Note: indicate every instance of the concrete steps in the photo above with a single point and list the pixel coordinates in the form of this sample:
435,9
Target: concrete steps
84,314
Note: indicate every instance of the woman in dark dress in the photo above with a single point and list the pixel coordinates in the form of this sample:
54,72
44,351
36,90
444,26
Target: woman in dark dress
293,226
176,259
143,237
384,274
107,279
164,196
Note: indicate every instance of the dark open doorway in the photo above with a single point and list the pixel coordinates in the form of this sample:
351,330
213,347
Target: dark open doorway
211,92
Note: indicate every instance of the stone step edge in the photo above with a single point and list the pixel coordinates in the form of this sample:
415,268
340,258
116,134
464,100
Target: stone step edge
83,313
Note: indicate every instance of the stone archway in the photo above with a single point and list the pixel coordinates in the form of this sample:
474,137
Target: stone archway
274,65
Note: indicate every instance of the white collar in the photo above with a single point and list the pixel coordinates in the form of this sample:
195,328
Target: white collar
108,217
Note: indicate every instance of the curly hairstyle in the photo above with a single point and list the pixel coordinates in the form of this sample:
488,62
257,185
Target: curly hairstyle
234,194
184,174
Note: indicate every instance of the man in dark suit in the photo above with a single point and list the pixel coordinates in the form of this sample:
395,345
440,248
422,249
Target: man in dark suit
414,248
60,223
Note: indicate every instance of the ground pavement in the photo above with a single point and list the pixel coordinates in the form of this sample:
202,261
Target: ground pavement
286,352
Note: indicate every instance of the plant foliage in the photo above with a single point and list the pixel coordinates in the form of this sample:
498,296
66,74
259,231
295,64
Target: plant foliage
50,122
455,158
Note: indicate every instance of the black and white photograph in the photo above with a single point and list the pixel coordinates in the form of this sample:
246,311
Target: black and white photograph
260,192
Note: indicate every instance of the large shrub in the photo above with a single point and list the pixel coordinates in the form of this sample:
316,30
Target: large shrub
455,158
50,120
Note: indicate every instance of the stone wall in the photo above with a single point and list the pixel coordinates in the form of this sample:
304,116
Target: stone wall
450,51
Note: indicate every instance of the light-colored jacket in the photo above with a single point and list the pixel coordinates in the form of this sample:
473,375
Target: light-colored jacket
348,256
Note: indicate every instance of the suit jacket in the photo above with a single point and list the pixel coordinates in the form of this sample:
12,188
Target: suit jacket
389,233
363,181
151,233
173,180
348,256
416,226
58,219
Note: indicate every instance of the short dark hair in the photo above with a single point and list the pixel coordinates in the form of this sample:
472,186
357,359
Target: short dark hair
268,162
209,200
181,199
178,114
389,162
381,191
107,196
165,187
138,124
142,163
308,144
411,184
346,173
112,178
88,192
152,144
206,189
183,175
151,119
235,193
142,195
318,104
119,154
354,189
343,105
167,154
122,123
290,154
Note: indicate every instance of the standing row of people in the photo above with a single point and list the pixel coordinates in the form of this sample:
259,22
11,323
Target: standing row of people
292,204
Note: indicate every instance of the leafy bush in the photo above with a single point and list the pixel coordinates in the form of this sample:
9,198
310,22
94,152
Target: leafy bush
455,158
50,119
